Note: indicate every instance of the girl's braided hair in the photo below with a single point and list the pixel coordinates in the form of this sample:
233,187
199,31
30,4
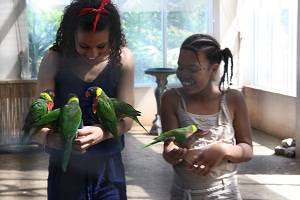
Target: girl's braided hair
212,49
72,21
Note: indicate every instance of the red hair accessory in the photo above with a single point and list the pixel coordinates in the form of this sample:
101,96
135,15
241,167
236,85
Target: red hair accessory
101,10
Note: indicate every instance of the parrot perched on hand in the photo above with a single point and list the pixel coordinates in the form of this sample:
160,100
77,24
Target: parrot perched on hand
36,117
70,120
180,135
104,110
124,109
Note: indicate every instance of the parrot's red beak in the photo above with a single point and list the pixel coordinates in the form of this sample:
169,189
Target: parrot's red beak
87,94
50,106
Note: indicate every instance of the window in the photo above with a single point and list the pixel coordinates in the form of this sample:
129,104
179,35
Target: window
154,29
268,48
43,20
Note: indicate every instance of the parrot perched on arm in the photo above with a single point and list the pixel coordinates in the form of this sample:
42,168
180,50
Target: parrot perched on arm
70,120
124,109
104,110
180,135
37,116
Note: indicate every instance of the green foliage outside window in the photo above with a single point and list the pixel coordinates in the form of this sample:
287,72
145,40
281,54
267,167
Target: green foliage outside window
42,31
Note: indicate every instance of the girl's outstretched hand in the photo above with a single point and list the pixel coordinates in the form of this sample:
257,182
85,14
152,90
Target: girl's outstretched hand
87,137
202,160
172,153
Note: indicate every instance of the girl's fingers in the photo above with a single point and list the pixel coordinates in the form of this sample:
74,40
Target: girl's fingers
83,140
178,153
201,169
83,132
84,147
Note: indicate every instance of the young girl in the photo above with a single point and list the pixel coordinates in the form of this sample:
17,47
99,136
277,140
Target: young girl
90,50
206,170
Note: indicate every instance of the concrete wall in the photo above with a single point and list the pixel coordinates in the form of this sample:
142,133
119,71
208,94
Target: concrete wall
270,112
13,37
146,103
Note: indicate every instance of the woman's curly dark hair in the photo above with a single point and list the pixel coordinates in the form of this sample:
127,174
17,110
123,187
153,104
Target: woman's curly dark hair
71,22
212,49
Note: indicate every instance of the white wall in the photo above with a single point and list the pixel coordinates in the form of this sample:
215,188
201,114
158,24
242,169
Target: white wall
272,113
298,90
12,23
227,16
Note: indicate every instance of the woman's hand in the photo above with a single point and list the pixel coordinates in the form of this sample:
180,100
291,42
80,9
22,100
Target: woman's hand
172,153
204,159
87,137
49,138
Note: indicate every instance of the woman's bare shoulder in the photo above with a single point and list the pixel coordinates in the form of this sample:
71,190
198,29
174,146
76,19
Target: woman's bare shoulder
49,65
170,96
127,59
50,61
235,99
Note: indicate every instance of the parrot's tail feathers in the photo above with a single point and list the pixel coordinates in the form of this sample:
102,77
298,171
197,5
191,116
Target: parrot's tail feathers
26,135
116,136
137,121
66,155
25,139
134,113
152,143
138,113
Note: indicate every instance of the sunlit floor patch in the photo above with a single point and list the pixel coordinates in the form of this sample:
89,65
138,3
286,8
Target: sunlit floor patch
275,186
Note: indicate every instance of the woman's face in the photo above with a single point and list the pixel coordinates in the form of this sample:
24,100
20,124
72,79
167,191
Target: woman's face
195,74
92,46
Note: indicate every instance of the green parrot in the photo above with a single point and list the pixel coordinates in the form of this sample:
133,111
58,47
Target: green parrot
70,120
124,109
36,117
180,135
104,110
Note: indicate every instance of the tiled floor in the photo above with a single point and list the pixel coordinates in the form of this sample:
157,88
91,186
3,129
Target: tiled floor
266,176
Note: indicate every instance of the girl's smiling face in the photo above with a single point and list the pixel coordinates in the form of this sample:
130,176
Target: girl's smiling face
194,71
92,46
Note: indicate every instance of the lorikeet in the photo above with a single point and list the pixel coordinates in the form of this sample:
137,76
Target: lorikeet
104,110
180,135
37,115
124,109
69,122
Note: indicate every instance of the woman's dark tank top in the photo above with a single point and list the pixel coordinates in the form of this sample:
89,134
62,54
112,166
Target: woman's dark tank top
66,81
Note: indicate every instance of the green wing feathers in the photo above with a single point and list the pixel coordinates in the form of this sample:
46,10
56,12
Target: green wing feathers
106,114
66,155
124,109
37,109
48,118
179,134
